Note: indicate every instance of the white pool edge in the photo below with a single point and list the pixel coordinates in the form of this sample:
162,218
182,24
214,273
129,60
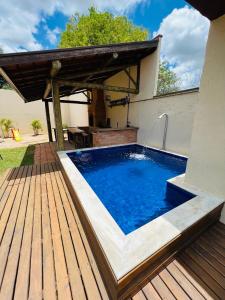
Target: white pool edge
125,252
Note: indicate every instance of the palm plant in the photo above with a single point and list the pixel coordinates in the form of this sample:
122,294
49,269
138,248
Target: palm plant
6,124
36,124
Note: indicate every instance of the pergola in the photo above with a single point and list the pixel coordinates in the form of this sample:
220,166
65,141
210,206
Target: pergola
211,9
51,74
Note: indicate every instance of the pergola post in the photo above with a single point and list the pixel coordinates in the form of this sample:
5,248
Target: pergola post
57,115
48,121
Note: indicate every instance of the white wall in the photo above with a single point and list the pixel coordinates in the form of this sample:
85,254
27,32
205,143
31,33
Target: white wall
206,166
180,109
13,107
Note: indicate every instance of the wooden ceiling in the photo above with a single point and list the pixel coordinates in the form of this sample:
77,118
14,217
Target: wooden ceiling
28,72
212,9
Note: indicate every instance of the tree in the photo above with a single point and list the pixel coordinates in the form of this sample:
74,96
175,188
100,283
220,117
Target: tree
167,80
98,28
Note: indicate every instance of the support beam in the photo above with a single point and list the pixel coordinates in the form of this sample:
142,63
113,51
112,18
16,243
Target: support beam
56,66
47,89
95,72
57,115
131,78
48,119
138,76
90,76
6,77
89,85
68,101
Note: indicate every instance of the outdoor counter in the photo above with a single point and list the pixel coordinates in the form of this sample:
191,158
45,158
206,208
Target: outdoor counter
114,136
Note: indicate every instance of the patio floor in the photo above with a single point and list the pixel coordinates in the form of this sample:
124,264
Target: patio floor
44,253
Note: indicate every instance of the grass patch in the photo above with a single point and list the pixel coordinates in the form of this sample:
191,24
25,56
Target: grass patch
15,157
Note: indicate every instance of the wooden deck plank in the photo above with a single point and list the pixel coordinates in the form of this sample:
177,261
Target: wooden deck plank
86,271
10,224
45,254
87,248
209,258
204,279
219,230
4,178
76,283
209,240
6,189
172,284
182,280
10,197
7,287
217,279
62,280
150,292
218,244
49,280
162,289
35,288
196,282
209,248
22,281
139,296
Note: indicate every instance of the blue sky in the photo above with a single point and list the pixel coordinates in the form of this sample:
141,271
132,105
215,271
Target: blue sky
34,25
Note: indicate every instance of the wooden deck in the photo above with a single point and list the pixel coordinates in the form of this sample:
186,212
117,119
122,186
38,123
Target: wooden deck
44,253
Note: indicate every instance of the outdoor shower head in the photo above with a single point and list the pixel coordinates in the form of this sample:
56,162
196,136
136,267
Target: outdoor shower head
162,115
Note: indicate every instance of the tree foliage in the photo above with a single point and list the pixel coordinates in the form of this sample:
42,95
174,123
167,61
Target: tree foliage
98,28
167,80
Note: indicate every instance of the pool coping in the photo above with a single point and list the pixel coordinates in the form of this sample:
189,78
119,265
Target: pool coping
126,252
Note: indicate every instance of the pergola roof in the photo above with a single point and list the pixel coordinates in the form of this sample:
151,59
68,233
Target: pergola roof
212,9
28,72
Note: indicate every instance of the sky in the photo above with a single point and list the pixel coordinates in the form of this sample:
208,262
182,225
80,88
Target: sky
28,25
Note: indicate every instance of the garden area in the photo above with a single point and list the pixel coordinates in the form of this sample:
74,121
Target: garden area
15,157
16,150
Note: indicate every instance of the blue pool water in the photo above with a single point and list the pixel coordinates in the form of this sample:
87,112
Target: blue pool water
131,182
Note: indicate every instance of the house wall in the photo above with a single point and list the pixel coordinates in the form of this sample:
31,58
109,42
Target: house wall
180,108
148,85
13,107
144,114
206,166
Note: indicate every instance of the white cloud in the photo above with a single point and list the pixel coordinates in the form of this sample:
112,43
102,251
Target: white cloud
19,18
52,35
184,39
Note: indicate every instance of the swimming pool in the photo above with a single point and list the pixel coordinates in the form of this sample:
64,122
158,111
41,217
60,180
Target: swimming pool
161,220
131,182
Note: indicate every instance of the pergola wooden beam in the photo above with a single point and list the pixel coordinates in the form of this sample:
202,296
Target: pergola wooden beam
68,101
48,119
56,66
89,85
6,77
57,115
131,78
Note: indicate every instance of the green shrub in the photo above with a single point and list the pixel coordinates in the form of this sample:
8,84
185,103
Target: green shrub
6,124
36,124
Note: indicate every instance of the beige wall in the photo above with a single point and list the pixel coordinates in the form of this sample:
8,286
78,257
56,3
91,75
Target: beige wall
206,166
13,107
144,114
148,86
180,109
